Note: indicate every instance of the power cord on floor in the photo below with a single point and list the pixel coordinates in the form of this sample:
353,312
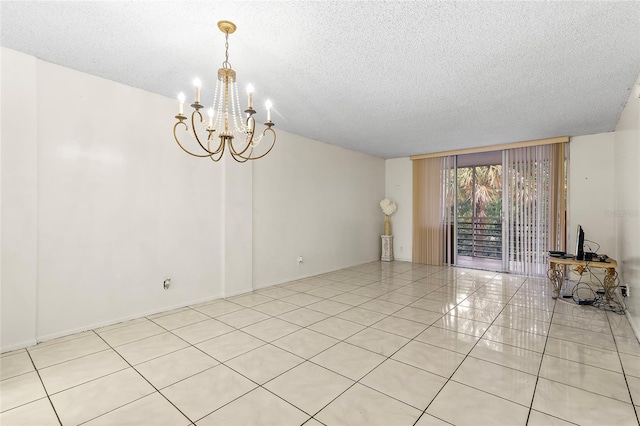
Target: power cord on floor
604,298
609,303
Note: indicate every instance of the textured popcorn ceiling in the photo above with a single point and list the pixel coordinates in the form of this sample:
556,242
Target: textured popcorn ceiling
387,78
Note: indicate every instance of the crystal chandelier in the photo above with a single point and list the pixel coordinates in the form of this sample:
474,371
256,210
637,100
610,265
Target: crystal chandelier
237,133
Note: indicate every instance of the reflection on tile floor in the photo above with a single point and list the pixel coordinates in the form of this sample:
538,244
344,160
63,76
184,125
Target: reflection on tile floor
376,344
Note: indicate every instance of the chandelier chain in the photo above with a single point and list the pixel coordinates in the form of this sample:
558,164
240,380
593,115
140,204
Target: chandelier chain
226,63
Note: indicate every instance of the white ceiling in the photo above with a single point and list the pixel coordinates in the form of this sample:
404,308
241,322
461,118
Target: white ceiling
389,78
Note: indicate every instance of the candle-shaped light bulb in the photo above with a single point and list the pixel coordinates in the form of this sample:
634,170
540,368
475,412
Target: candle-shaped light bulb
210,118
268,104
198,84
250,93
181,100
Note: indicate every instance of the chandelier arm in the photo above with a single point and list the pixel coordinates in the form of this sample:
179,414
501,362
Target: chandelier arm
273,132
175,136
220,145
195,134
221,150
239,158
241,154
235,154
249,138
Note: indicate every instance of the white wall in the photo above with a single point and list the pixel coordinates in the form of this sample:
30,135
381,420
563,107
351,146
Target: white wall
19,214
591,194
318,201
99,206
399,188
237,249
626,184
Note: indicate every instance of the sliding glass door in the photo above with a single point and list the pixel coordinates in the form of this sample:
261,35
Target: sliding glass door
479,210
509,209
500,210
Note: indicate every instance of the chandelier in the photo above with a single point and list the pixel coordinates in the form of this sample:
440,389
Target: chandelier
235,132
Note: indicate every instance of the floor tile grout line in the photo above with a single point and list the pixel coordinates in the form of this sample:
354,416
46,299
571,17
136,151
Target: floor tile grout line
569,385
544,350
146,380
57,363
324,367
469,353
389,289
447,379
307,360
114,348
248,378
580,343
234,399
479,338
53,407
117,408
626,380
11,353
48,343
80,384
584,390
187,308
88,381
581,330
489,393
580,389
61,343
190,345
584,363
344,340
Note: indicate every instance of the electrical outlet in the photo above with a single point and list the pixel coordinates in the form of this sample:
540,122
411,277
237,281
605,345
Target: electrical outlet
300,260
166,283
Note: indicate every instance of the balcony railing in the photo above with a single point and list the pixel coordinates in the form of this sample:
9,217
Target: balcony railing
480,237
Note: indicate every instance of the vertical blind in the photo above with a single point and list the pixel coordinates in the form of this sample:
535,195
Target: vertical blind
558,200
533,205
433,197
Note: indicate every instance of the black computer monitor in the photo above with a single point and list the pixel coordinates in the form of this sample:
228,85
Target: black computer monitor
579,243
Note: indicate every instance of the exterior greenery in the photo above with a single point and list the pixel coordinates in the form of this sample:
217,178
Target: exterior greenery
479,211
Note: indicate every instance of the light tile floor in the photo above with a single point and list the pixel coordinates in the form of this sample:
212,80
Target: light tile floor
376,344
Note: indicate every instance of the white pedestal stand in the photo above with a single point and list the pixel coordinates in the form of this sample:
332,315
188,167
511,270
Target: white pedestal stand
387,248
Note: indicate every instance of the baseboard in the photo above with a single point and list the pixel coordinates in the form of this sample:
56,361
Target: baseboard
634,327
93,326
16,346
302,277
100,324
237,293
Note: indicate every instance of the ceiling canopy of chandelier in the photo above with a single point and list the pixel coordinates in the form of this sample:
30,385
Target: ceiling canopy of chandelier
235,131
